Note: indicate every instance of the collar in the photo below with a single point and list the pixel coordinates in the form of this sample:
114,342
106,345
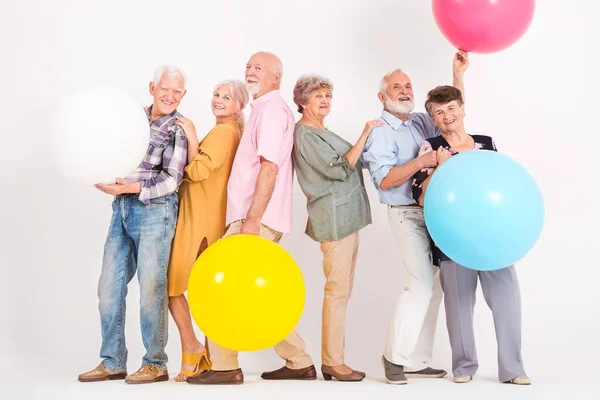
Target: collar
161,120
394,121
264,98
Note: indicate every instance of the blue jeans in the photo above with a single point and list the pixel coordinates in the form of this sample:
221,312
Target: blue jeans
139,238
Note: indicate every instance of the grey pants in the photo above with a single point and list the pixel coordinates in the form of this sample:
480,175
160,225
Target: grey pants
501,293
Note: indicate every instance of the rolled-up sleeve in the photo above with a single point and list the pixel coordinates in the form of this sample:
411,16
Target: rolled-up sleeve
322,157
379,157
168,180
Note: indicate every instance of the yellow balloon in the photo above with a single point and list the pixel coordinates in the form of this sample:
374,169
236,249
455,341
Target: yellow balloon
246,293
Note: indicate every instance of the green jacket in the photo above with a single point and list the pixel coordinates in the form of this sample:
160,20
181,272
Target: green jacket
337,201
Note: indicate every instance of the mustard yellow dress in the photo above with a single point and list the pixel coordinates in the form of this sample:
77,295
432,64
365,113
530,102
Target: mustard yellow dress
202,202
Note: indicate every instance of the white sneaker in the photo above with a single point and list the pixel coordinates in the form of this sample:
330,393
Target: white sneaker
521,380
462,378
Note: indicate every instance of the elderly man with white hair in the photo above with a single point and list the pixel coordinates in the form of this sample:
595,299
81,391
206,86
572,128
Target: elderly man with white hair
259,202
391,157
139,239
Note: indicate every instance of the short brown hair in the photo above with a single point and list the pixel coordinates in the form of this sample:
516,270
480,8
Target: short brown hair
442,95
306,85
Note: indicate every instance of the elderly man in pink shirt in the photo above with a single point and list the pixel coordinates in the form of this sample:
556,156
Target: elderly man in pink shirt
259,202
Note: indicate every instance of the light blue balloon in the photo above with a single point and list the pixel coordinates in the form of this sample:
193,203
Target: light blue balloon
483,210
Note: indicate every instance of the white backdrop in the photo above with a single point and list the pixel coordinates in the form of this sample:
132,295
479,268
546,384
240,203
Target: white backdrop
536,99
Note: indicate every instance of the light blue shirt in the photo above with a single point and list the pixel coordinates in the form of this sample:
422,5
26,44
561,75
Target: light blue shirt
394,144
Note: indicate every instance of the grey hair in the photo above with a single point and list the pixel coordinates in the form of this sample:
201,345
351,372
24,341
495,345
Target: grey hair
239,93
383,84
305,85
171,71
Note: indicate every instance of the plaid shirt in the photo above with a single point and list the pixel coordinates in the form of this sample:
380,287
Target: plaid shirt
161,170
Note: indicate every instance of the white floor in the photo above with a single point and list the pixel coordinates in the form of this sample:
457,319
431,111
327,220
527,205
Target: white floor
483,388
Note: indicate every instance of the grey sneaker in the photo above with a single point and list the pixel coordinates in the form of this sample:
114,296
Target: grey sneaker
426,373
394,374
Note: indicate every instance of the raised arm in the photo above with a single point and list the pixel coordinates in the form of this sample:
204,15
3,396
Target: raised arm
459,66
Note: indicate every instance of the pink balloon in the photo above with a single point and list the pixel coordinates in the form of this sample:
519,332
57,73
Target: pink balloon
483,26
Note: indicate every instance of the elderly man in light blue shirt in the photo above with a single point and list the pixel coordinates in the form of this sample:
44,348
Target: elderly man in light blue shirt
391,157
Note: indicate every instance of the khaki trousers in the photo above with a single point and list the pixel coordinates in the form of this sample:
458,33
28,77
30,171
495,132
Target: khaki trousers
292,349
339,261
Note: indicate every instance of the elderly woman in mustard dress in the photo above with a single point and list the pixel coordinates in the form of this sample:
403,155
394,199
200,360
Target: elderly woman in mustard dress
202,201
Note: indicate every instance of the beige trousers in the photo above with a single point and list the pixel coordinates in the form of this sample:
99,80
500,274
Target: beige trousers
292,349
339,261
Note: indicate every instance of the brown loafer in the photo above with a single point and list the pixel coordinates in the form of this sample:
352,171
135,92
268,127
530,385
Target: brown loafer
329,372
212,377
285,373
360,373
100,373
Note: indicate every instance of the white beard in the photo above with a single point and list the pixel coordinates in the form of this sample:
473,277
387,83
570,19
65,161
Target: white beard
398,107
252,87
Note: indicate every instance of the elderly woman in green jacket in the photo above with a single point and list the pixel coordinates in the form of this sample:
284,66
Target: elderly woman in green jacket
330,175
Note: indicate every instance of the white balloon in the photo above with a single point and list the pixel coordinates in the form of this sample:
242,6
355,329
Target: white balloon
99,134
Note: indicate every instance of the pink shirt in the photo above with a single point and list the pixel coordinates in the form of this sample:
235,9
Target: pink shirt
269,133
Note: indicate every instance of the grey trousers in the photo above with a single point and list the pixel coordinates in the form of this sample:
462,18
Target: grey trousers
501,293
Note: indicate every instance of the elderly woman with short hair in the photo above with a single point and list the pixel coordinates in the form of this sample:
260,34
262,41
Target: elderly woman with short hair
500,288
329,173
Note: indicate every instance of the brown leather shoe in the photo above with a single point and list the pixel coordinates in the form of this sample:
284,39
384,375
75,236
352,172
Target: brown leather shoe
100,373
148,373
303,374
360,373
212,377
329,372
